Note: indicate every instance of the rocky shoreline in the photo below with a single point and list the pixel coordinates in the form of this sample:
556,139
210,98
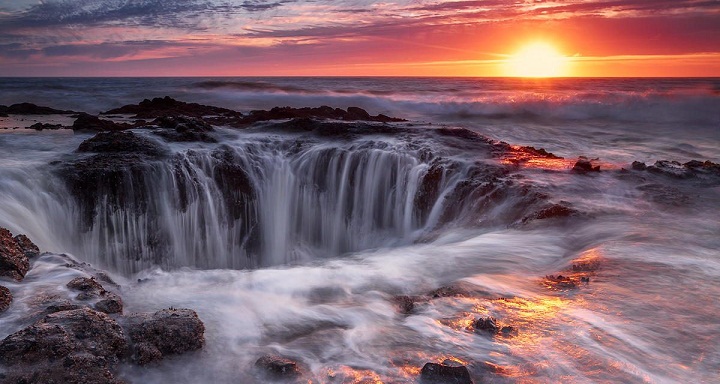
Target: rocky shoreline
84,339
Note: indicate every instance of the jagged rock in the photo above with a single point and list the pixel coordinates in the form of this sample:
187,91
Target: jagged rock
585,165
38,342
277,367
169,331
86,122
31,109
95,332
167,106
27,246
14,261
324,112
434,373
6,299
691,169
486,324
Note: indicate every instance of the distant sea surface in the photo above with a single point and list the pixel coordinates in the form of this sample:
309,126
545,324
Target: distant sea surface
345,227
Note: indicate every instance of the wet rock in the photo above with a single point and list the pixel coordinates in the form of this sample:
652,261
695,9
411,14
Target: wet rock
184,129
14,261
89,123
508,331
560,282
434,373
323,113
122,142
405,304
277,367
169,331
585,165
674,169
58,335
6,299
549,212
167,106
112,304
76,369
486,325
85,284
27,246
31,109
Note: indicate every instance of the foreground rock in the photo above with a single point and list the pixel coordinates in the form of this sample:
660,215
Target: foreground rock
79,346
31,109
6,299
91,289
434,373
166,332
585,165
14,254
277,367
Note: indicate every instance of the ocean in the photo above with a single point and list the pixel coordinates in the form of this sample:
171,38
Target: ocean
339,228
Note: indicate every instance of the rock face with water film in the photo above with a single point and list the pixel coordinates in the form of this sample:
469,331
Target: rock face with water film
5,299
14,254
166,332
450,373
80,345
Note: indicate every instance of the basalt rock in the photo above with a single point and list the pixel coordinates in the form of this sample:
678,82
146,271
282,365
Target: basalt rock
48,126
691,169
486,325
167,106
184,129
14,252
78,346
166,332
90,123
550,212
322,113
277,367
434,373
121,142
585,165
6,299
31,109
91,289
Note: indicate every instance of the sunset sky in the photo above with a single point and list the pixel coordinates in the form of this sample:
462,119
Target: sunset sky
365,38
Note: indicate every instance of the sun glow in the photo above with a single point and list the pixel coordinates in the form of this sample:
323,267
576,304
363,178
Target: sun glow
537,60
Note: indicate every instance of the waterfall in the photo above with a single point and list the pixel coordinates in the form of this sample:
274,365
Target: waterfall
258,202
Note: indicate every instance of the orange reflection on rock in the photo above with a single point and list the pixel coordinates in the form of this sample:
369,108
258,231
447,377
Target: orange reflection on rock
349,375
530,157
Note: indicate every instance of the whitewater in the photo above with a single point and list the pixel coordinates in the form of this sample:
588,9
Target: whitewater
322,235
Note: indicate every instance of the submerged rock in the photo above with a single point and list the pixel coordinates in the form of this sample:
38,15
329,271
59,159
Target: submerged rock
486,324
14,253
674,169
550,212
166,332
277,367
6,299
434,373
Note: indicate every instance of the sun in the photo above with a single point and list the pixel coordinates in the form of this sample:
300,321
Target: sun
537,59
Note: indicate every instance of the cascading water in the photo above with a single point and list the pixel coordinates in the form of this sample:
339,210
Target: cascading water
258,201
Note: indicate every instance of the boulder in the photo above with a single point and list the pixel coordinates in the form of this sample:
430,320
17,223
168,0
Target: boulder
6,299
90,123
166,332
14,260
434,373
112,303
277,367
85,284
486,325
585,165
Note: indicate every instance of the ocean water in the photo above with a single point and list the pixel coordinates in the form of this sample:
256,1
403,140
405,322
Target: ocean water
340,236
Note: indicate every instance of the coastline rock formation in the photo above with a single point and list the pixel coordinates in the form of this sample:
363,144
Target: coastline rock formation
31,109
14,254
